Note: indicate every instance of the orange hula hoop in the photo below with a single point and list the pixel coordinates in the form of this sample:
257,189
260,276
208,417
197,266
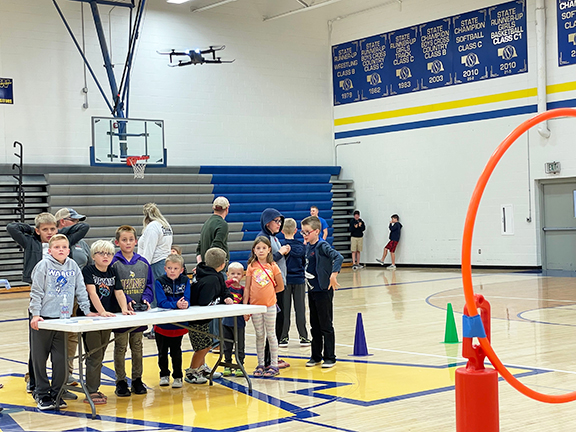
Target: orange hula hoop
467,251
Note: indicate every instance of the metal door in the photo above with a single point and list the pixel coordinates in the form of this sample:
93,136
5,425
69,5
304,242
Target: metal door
559,229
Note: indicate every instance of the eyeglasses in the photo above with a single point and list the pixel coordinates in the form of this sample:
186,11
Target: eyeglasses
278,221
306,233
103,253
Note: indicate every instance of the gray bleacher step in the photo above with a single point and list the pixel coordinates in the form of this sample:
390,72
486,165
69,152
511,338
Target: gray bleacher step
144,189
11,217
107,231
343,199
6,274
35,194
179,239
135,219
118,179
12,262
137,209
10,250
28,205
115,200
340,191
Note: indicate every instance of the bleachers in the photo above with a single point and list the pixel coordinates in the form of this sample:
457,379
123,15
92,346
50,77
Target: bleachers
112,199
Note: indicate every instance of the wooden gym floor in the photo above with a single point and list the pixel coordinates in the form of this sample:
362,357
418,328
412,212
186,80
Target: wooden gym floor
406,384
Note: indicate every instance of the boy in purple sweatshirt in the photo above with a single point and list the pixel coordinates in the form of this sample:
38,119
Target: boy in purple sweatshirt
135,278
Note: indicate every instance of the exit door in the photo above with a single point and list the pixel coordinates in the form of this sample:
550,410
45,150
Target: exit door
559,228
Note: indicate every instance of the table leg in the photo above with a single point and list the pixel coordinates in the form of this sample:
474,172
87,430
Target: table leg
81,379
239,364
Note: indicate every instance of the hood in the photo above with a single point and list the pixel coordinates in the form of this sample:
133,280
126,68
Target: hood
268,215
203,270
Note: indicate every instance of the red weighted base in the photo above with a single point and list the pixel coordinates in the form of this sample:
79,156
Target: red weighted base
477,400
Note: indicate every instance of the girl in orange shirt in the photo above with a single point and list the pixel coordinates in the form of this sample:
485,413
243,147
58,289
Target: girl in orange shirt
263,281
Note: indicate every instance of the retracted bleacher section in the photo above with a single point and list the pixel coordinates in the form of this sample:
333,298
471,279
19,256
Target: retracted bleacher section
111,199
290,190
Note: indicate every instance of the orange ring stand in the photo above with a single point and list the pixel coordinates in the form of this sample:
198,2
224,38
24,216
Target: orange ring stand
467,251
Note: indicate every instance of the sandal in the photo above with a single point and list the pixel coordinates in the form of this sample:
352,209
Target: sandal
271,372
97,399
282,364
259,372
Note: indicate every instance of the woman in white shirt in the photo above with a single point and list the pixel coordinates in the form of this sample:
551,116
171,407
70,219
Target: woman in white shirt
156,240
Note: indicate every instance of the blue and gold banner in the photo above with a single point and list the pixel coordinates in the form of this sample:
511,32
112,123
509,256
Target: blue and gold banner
478,45
566,19
6,91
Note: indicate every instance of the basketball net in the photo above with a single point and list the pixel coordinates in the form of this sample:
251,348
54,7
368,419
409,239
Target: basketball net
138,164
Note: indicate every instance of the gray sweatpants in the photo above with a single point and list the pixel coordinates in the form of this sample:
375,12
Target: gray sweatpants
296,291
93,341
120,346
48,343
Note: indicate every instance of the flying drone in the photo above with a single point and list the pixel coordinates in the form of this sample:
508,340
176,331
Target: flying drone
195,56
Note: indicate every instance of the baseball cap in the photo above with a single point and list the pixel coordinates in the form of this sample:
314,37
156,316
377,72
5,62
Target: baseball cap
220,203
69,213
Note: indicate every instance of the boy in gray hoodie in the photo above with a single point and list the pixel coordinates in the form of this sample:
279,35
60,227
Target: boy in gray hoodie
56,280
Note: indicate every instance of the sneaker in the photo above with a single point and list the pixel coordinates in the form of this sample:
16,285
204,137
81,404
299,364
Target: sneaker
312,362
164,381
177,383
122,389
46,403
392,267
194,376
283,343
149,335
71,381
380,261
206,371
360,266
305,342
29,387
329,363
138,387
68,395
239,373
216,349
227,372
354,267
62,404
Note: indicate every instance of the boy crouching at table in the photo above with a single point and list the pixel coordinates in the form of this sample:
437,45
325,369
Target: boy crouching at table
56,281
106,299
172,292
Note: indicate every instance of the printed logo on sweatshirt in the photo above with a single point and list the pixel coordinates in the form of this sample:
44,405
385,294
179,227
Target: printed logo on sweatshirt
169,290
133,286
64,273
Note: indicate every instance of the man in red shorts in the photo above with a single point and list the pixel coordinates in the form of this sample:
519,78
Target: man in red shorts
394,228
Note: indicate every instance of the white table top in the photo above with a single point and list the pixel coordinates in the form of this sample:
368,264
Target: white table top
153,316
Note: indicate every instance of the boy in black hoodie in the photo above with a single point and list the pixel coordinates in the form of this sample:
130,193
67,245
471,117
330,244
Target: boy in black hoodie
209,289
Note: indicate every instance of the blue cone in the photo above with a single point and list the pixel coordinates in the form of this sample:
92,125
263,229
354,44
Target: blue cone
360,347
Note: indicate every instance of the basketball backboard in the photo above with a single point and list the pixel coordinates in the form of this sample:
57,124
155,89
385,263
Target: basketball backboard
115,139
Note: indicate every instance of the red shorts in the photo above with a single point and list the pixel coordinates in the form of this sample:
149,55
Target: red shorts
391,246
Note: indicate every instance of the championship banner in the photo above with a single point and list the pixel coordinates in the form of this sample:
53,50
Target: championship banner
479,45
6,91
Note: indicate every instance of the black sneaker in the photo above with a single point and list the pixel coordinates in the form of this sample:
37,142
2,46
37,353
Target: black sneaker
138,387
122,389
283,343
46,403
62,404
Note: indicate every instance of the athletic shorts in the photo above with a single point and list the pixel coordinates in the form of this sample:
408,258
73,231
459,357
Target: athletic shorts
356,244
202,340
391,246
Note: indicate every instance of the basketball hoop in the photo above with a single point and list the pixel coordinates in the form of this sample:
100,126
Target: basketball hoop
138,164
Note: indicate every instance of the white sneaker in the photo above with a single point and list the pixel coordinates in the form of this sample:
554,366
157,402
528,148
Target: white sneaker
164,381
360,266
194,376
177,383
380,261
392,267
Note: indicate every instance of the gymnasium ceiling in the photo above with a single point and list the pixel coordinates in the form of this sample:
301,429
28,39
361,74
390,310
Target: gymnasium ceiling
279,9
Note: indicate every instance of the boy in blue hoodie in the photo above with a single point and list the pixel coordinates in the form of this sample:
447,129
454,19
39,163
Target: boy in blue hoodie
172,292
135,279
322,266
295,286
272,222
56,281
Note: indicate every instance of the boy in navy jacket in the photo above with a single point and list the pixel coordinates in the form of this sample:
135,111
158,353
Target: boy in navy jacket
295,286
322,266
172,292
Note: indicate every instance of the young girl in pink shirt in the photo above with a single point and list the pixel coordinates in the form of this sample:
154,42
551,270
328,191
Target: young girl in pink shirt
263,281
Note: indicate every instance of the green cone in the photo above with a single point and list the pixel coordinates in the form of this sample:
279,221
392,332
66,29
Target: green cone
450,334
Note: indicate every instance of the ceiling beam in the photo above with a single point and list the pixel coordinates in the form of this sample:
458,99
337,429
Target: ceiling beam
310,7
